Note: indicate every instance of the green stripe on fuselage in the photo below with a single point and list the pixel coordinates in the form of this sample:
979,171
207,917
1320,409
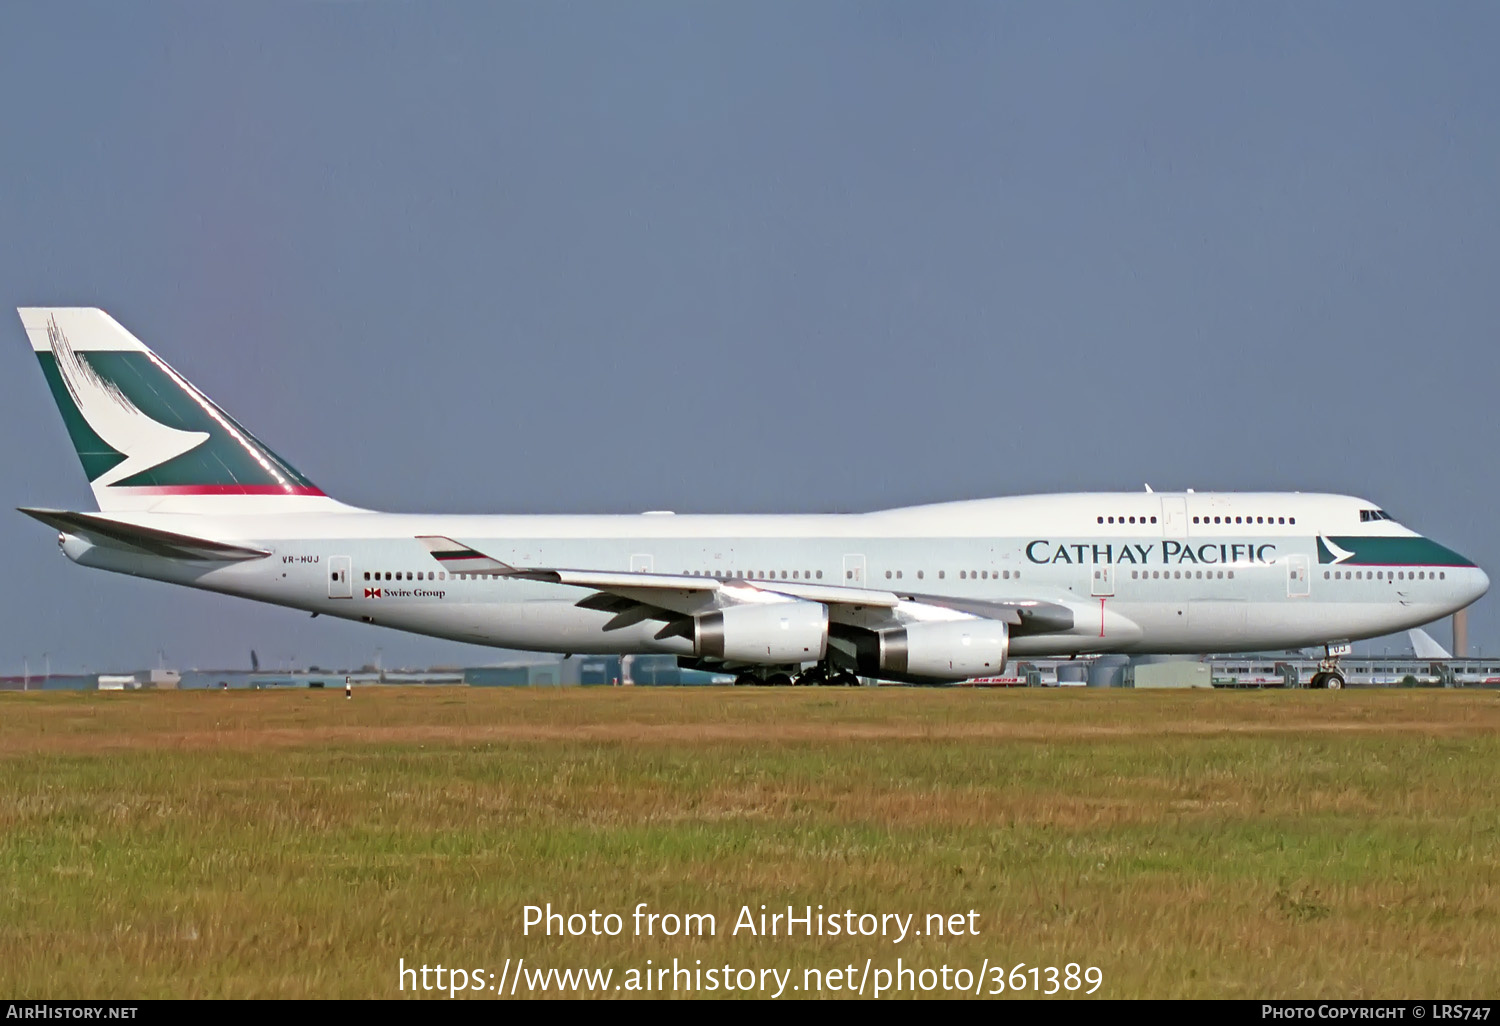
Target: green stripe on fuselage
1381,551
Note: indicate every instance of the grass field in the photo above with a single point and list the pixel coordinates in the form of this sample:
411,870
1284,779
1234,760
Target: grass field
291,844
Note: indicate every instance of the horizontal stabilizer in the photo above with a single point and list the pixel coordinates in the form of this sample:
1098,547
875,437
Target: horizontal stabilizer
104,531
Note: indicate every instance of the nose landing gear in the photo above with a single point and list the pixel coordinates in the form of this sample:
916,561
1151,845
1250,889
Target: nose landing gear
1328,676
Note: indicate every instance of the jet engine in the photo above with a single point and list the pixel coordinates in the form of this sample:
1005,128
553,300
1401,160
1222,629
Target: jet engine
951,649
773,633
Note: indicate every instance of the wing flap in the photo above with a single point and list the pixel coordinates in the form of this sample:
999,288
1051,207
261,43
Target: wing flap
1028,616
828,594
607,580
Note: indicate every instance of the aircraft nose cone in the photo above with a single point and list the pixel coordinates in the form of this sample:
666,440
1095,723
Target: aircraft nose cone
1481,584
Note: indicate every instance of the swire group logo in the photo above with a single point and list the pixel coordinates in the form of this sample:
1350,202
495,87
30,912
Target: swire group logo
372,593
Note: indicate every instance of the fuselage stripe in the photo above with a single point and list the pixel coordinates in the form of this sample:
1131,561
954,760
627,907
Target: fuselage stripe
220,489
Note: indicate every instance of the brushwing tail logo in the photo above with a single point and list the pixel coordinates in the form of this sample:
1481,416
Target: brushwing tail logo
1329,553
145,442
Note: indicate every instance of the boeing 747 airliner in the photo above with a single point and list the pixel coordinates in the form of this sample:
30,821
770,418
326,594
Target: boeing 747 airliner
933,593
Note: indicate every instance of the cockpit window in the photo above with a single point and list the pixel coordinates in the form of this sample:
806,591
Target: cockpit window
1368,515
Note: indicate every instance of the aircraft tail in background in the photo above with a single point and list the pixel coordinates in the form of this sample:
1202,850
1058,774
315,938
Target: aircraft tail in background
1425,646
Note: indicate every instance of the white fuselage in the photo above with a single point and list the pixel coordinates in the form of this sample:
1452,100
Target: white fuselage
1140,572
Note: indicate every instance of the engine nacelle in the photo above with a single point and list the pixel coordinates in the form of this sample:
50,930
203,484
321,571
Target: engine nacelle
772,633
952,649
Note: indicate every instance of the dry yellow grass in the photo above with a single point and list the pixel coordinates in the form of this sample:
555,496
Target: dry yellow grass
1188,844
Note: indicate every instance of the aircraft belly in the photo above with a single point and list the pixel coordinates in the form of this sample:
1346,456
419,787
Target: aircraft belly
1228,626
1298,624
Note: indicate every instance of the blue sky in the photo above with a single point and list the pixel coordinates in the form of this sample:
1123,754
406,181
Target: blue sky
579,257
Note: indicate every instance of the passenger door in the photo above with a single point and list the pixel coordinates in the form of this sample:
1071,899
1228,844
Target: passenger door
1174,519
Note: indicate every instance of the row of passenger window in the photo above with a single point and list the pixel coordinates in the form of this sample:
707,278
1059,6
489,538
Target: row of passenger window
430,575
977,575
1245,520
1242,519
746,575
758,575
963,575
849,575
1337,575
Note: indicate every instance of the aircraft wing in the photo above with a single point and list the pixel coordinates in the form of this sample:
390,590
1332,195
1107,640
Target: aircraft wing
635,596
103,530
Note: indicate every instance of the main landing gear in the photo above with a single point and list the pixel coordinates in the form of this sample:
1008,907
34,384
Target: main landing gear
826,676
821,676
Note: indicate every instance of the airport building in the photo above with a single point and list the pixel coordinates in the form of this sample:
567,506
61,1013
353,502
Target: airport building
1225,672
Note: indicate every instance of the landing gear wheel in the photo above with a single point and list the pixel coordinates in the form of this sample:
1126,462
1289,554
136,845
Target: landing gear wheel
779,680
812,677
1329,675
845,680
747,679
